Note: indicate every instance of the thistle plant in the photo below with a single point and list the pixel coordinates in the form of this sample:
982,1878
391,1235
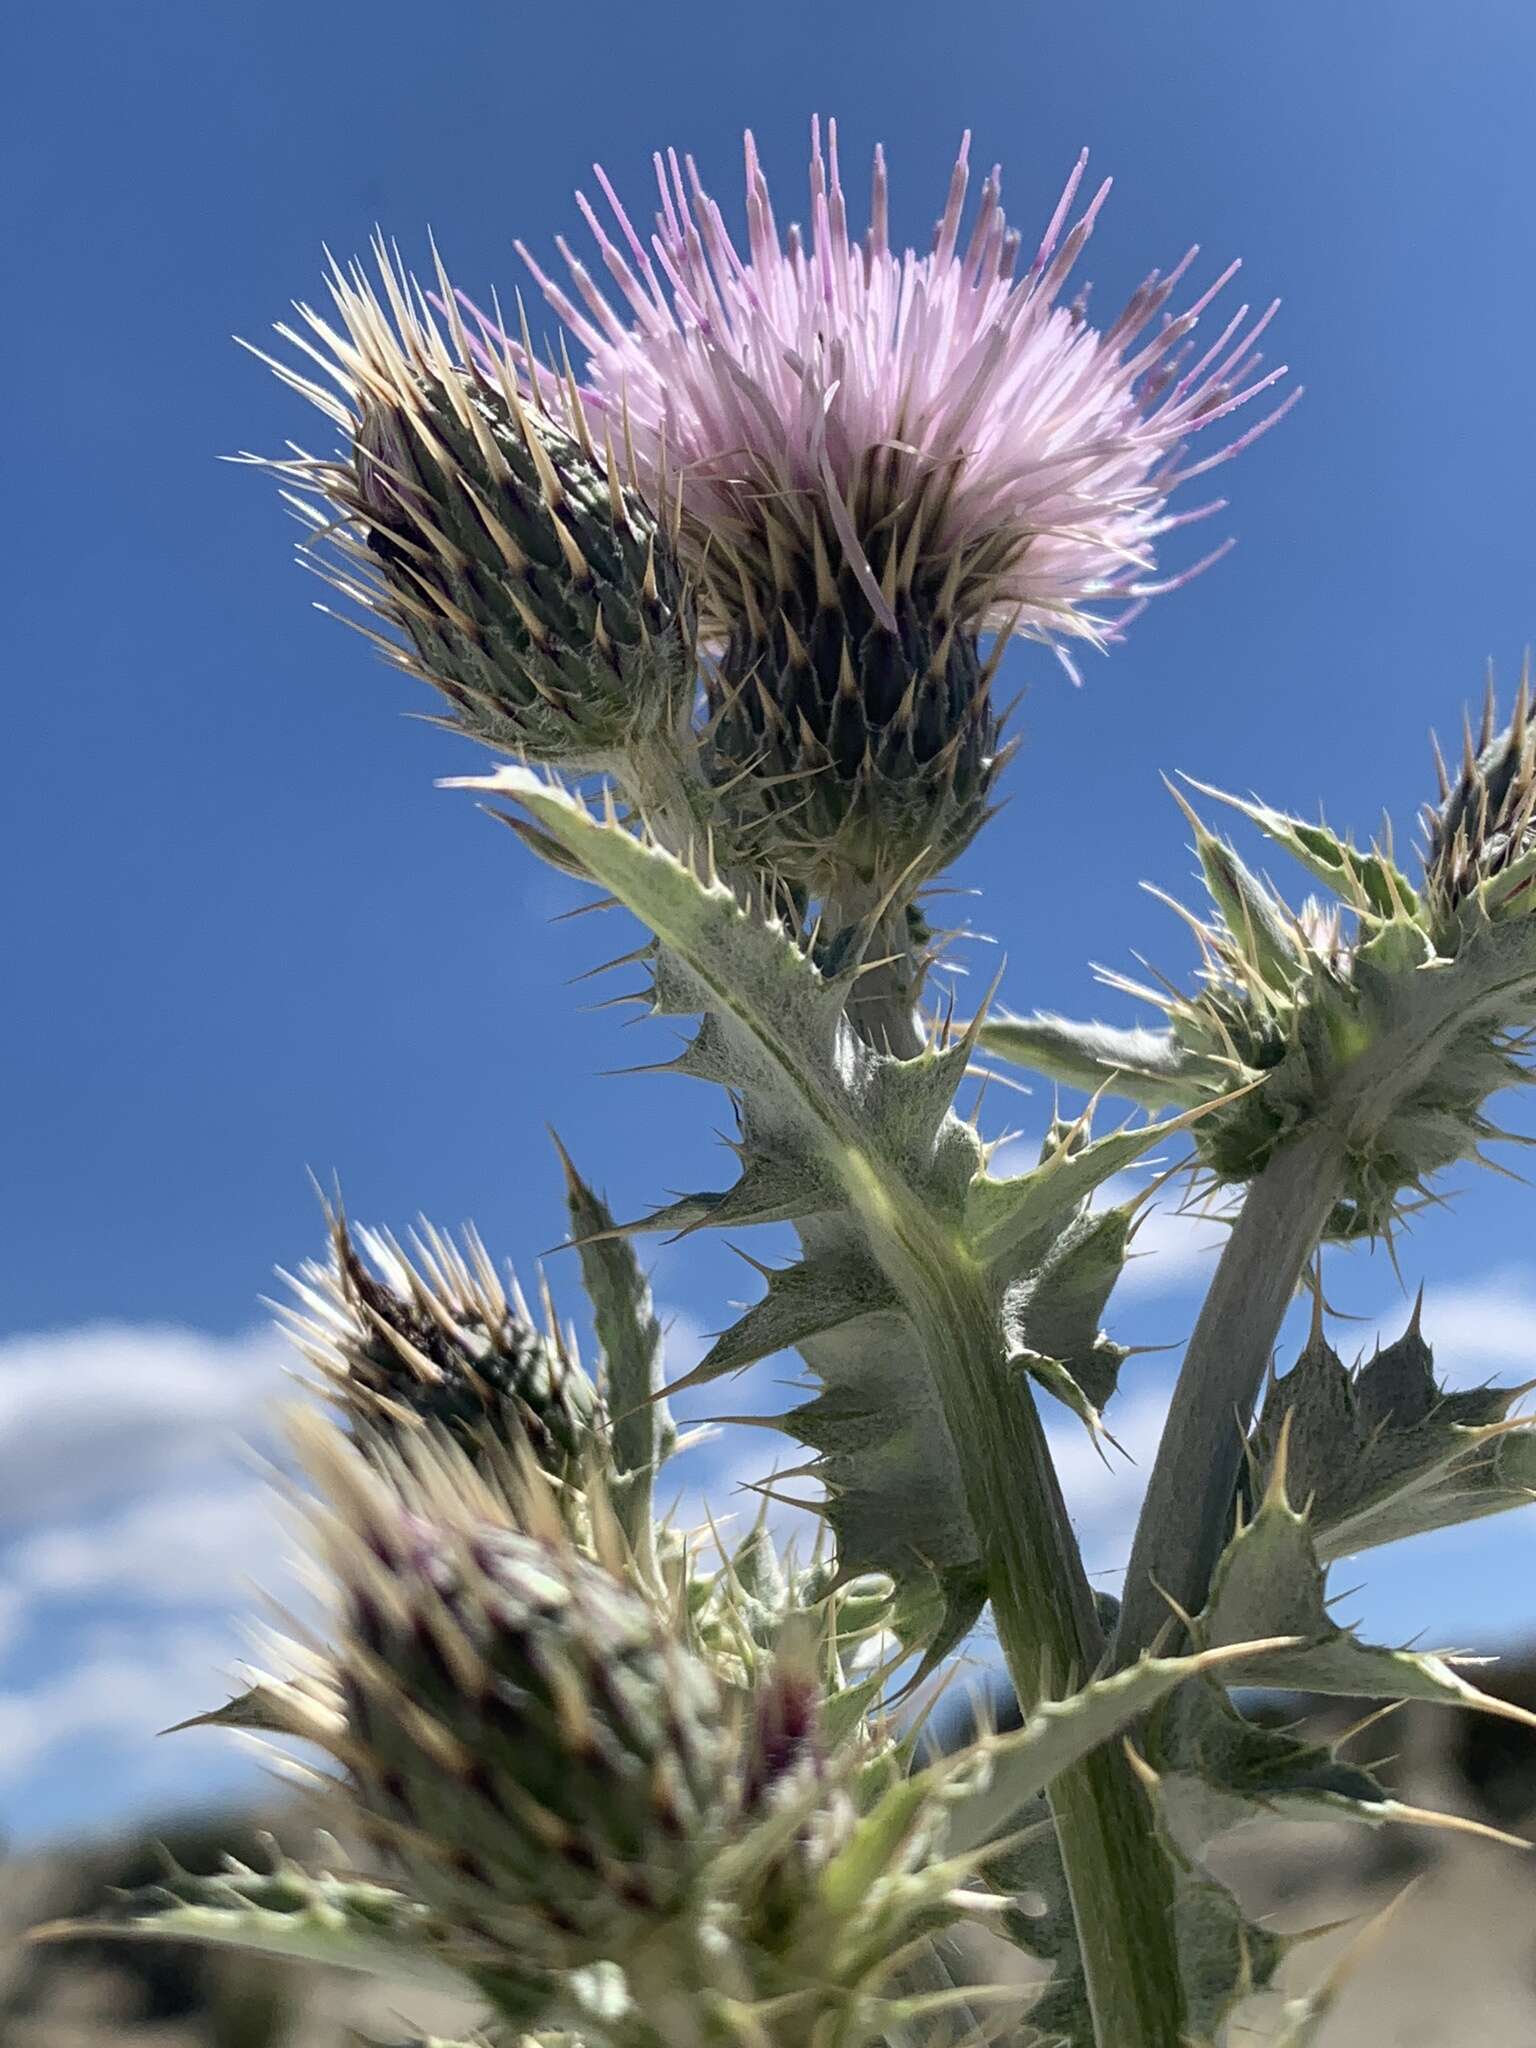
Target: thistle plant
740,558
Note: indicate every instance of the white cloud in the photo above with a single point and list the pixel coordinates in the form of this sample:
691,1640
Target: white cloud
124,1488
127,1484
91,1415
127,1488
200,1545
13,1610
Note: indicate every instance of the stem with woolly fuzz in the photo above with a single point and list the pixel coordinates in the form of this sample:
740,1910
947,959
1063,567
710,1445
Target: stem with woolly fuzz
1047,1625
882,1007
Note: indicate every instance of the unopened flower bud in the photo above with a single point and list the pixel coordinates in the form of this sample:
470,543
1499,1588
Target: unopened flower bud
536,591
792,1795
442,1339
543,1758
1483,835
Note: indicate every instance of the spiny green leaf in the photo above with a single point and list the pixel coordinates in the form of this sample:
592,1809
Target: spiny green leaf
1217,1770
1061,1385
1012,1224
1269,1581
865,1131
767,1191
1039,1922
802,1300
868,1137
876,1131
1369,881
1387,1452
1149,1067
744,967
1258,922
1211,1771
630,1338
1224,1957
292,1917
938,1612
1061,1732
1054,1313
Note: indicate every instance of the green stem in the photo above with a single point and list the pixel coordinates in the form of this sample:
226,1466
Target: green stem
882,1006
1117,1874
1187,1516
1047,1625
1042,1603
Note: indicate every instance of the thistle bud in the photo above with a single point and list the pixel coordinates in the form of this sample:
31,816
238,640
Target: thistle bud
442,1339
543,1758
1387,1013
538,593
855,744
784,1750
1482,838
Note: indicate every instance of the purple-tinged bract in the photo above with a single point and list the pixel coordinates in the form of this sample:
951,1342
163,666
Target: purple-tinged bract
879,456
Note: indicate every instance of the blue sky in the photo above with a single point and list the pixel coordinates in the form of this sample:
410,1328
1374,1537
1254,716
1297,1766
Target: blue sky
246,934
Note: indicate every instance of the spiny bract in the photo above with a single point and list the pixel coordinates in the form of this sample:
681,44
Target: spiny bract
1483,835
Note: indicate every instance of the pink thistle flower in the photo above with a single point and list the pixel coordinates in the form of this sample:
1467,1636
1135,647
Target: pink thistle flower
939,407
875,457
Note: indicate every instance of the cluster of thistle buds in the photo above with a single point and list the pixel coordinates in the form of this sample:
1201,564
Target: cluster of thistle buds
594,1789
740,563
753,546
1390,1010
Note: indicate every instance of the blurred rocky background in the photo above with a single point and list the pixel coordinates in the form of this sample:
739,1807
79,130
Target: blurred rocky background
118,1993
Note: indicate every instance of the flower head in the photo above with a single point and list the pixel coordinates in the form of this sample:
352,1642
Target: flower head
544,1758
442,1340
529,587
877,456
